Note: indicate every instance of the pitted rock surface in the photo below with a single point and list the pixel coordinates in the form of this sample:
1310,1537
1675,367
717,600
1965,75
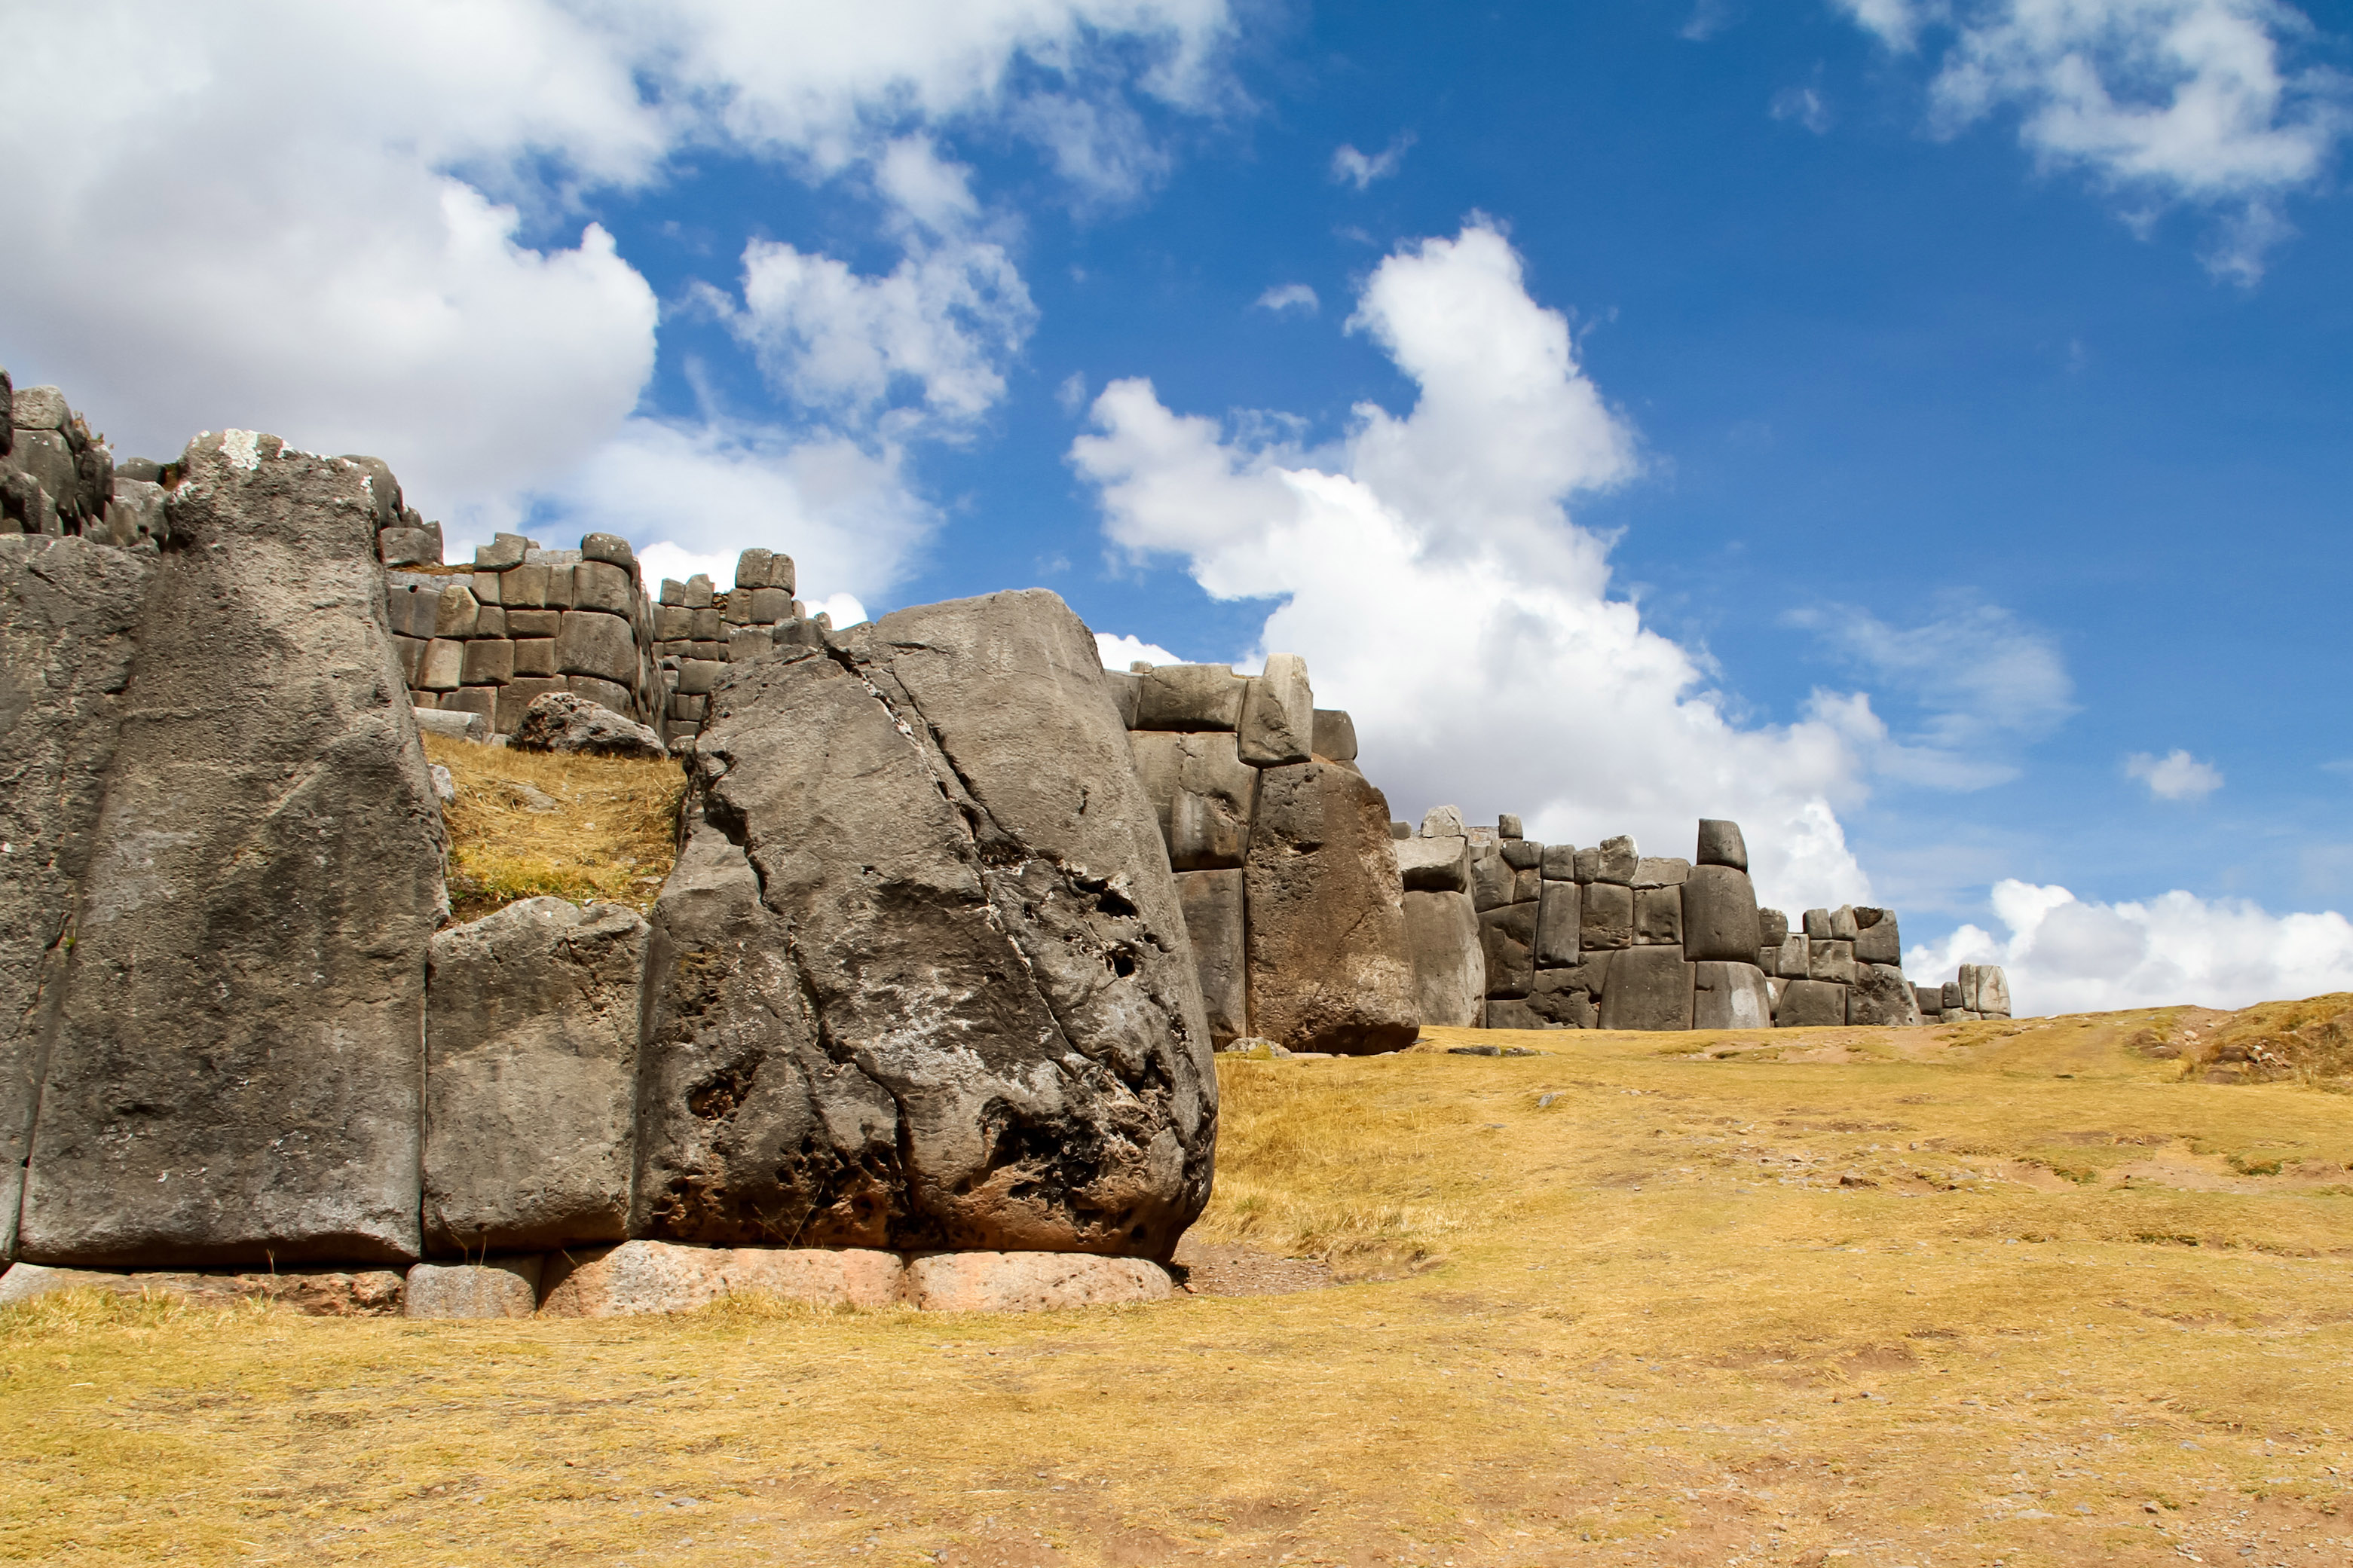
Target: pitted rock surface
921,979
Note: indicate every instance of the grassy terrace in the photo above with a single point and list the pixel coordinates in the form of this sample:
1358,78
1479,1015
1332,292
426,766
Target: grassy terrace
2002,1291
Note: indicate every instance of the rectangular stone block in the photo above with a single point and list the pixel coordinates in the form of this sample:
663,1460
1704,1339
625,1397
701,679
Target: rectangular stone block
612,696
1507,940
735,609
685,707
1797,957
490,621
559,585
1730,997
454,613
1606,917
698,596
1661,871
1212,901
770,605
1881,997
1720,844
1951,991
1203,793
748,643
523,587
409,653
1818,925
1875,937
411,607
1190,697
1450,964
1772,928
752,568
589,643
1519,854
706,624
1434,865
1504,1013
1646,988
716,652
1615,862
1811,1004
534,655
516,696
673,623
1720,921
696,677
1769,959
1335,735
1278,718
1658,917
489,662
442,666
1528,885
1124,690
1492,882
601,585
482,700
1569,997
1831,961
485,587
1844,926
1559,864
1588,865
1560,925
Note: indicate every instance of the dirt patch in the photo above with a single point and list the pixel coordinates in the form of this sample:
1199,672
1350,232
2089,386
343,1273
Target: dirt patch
1217,1268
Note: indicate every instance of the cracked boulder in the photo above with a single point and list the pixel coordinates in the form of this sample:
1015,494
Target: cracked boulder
921,979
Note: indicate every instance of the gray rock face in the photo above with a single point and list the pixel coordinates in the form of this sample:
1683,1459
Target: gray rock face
1818,925
1658,917
1773,928
1449,967
1844,926
1559,863
1434,865
531,1062
1212,902
1569,996
1493,883
1614,860
921,978
1508,938
69,617
1661,871
1952,996
1984,988
1442,822
1831,961
1646,988
1329,966
1876,940
1882,996
1608,917
134,515
1278,722
1560,925
1190,697
1720,923
1519,854
1797,957
502,1287
561,722
1335,735
1720,844
264,875
1730,997
1810,1004
1202,794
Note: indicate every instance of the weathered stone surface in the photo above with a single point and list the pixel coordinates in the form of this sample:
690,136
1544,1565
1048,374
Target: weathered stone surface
44,457
1614,860
1818,925
1772,928
921,978
134,514
442,666
1278,720
456,726
1810,1004
1329,968
1720,844
454,612
1661,871
1876,940
560,721
1559,864
1507,937
591,643
313,1292
409,547
1508,1013
611,694
1646,988
1659,917
531,1056
69,617
1560,925
1843,927
1507,826
1030,1281
1730,997
1952,996
1450,964
495,1288
503,551
601,585
489,661
1569,996
1719,912
1797,957
266,875
1882,996
1202,793
1335,735
1606,917
1442,822
1519,854
39,408
1984,988
610,549
1212,901
1434,865
640,1277
1831,961
1493,883
1190,697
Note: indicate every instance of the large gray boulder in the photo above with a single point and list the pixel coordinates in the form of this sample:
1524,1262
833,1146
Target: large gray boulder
236,1064
1202,794
1449,967
1508,937
921,979
1720,844
1213,902
1560,925
1881,995
1434,865
1570,996
560,721
530,1060
1606,917
69,620
1810,1004
1719,916
1329,966
1278,720
1659,917
1190,697
1876,938
1646,988
1730,997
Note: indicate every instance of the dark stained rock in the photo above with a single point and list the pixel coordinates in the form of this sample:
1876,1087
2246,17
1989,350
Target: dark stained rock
1508,938
530,1060
1570,997
1449,967
1810,1004
1329,966
236,1068
1335,735
560,721
1213,919
921,979
1560,925
68,619
1646,988
1720,921
1876,940
1606,917
1881,995
1720,844
1658,917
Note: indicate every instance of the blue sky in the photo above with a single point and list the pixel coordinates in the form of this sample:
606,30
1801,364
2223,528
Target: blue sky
1918,430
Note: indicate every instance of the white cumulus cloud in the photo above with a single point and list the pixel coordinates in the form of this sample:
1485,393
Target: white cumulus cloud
1119,650
2162,101
2177,775
1430,575
2064,955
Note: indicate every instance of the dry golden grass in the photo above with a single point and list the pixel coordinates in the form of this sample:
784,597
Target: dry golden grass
1988,1292
532,824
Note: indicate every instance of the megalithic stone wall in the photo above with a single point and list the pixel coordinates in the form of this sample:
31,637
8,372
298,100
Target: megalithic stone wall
1288,878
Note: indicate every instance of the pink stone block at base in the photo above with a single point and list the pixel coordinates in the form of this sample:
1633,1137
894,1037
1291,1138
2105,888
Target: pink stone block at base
1030,1281
665,1276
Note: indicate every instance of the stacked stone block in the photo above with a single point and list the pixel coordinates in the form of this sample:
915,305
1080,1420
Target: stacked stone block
699,630
1284,868
59,480
1982,991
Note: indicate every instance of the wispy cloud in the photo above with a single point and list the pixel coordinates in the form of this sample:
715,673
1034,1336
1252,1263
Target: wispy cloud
1804,105
1350,167
2177,775
1288,297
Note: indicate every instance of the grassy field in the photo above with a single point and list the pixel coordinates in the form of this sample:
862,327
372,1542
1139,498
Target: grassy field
530,825
2021,1293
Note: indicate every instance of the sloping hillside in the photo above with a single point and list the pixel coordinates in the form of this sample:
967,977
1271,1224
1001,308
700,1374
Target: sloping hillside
2035,1292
